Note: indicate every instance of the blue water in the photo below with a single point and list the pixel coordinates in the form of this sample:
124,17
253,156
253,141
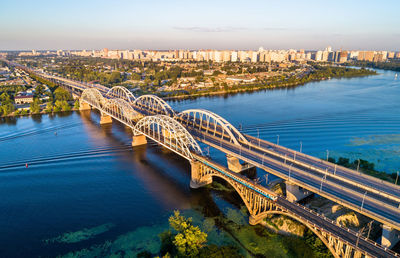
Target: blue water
82,175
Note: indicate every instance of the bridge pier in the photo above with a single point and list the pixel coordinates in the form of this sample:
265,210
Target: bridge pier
199,178
83,106
235,166
138,140
105,119
75,96
253,220
295,193
390,236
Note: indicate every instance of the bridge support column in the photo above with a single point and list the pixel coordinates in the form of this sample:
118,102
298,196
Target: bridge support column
389,236
295,193
105,119
83,106
235,166
199,177
138,140
75,96
253,220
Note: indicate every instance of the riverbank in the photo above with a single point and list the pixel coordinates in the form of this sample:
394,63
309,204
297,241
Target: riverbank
318,75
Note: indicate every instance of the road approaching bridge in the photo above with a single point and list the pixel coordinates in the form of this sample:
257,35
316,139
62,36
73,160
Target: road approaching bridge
152,118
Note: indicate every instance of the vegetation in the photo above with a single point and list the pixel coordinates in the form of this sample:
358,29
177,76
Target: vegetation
35,106
365,167
6,106
62,94
187,239
393,65
318,73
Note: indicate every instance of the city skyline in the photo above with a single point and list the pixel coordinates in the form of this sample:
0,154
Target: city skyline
199,25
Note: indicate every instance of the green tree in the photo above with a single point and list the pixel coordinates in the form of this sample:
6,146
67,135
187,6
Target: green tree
49,107
65,106
7,108
39,90
5,98
62,94
35,106
57,106
136,77
115,77
76,105
189,239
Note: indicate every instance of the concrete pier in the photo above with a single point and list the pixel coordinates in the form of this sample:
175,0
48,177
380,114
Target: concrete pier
138,140
105,119
295,193
84,106
235,165
390,236
197,179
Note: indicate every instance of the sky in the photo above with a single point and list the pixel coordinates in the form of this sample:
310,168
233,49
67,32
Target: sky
217,24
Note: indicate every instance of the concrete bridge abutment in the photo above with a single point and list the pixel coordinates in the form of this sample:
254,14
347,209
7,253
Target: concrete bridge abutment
105,119
254,220
138,140
84,106
198,179
390,236
235,165
295,193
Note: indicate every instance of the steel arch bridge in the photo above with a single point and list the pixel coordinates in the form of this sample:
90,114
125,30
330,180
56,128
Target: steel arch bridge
153,105
260,203
170,133
209,122
93,97
121,93
122,110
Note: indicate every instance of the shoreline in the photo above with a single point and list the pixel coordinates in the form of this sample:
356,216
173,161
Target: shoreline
250,89
41,113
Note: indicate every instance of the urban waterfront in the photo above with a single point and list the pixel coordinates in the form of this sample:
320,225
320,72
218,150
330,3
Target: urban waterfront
83,175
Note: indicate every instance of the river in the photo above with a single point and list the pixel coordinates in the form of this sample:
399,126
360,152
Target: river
85,188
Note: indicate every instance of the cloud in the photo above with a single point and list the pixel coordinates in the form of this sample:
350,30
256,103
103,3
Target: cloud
209,29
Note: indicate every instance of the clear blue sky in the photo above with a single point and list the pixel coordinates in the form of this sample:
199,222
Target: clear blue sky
172,24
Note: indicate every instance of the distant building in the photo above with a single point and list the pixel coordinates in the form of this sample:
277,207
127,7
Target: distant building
343,56
22,99
366,56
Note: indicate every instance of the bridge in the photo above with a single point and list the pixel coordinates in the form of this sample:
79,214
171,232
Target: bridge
152,118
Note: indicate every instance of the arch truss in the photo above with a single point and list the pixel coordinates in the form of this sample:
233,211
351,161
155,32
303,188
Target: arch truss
153,105
168,132
260,206
121,93
93,97
121,110
211,123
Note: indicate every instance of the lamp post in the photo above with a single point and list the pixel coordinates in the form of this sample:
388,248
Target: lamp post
277,141
301,145
362,203
358,165
327,155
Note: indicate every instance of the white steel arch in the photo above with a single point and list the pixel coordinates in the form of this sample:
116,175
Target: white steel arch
121,93
122,110
210,122
168,132
154,105
93,97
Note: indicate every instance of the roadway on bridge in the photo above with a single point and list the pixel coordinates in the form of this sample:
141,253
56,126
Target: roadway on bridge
371,207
